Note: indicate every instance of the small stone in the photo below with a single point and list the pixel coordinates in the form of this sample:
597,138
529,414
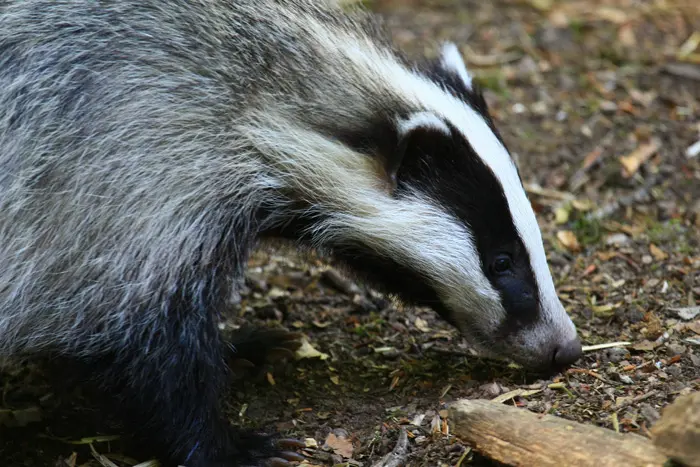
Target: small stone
647,259
420,440
491,389
675,349
675,371
608,106
616,354
519,108
635,316
695,359
625,379
618,239
649,413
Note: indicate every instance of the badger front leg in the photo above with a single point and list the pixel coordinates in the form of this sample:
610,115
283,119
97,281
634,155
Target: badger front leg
168,377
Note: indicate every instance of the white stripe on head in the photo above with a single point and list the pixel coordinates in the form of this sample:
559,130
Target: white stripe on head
422,120
451,59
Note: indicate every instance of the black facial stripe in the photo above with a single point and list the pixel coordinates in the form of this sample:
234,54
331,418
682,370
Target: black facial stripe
453,174
453,84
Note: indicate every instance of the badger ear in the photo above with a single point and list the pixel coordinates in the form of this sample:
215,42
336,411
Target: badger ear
451,61
420,131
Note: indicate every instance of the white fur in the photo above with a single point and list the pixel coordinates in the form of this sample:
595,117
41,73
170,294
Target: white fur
422,120
452,59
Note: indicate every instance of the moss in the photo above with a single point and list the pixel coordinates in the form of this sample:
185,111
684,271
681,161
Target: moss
587,231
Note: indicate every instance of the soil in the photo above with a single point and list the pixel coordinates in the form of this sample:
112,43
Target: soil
599,102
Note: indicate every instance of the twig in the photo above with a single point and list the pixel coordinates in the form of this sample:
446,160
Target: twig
634,400
591,348
637,196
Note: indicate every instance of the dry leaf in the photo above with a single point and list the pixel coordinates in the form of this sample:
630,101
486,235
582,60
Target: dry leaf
689,45
602,309
634,160
626,35
657,253
694,326
543,5
687,313
561,215
569,240
307,351
341,446
310,443
422,325
613,15
645,345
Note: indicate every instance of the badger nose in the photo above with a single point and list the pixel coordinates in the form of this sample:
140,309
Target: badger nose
567,354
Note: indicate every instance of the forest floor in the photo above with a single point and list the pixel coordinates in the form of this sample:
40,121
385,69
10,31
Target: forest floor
600,103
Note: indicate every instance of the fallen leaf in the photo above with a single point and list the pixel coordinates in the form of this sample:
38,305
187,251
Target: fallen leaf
569,240
657,253
693,150
694,326
561,215
687,313
422,325
614,15
626,35
341,446
335,379
634,160
645,345
307,351
543,5
689,45
310,443
602,309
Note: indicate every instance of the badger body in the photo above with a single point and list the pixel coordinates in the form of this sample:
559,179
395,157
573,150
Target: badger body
147,146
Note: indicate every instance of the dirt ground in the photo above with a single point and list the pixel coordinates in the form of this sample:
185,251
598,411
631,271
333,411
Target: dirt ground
599,101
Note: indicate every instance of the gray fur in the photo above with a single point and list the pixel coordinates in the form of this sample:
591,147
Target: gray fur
121,153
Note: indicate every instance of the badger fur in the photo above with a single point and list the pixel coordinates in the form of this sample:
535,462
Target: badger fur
147,145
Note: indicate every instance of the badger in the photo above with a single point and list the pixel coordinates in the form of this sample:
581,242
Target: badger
147,146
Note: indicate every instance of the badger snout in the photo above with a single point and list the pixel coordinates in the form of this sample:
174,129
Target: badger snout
566,354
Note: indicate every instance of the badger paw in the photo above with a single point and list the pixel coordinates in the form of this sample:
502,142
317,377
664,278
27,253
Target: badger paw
253,348
266,451
284,457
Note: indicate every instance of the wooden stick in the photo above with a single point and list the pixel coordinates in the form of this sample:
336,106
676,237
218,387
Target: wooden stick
519,437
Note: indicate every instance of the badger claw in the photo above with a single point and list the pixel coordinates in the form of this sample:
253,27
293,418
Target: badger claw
290,443
291,456
242,363
251,348
277,462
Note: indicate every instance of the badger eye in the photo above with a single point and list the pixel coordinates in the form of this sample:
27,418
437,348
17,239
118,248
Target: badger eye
501,264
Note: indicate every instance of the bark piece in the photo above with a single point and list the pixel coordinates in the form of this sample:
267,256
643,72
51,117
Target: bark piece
677,433
519,437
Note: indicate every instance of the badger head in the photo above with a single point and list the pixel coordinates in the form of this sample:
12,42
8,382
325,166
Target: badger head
426,203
